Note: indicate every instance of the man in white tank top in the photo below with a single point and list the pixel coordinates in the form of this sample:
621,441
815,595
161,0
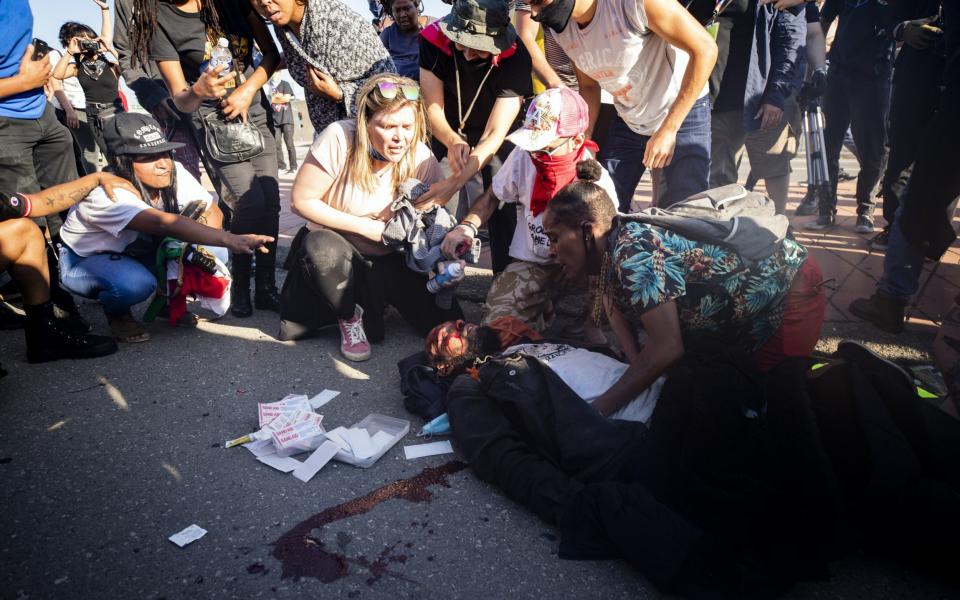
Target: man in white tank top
655,59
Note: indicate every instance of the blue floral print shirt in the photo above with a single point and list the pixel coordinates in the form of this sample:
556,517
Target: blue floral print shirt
715,290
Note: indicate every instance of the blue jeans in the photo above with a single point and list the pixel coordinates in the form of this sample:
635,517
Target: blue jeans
116,280
688,172
902,264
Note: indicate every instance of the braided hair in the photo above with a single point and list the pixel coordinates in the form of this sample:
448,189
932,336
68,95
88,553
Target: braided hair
144,23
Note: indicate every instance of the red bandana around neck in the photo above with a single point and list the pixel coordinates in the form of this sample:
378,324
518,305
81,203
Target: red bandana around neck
554,172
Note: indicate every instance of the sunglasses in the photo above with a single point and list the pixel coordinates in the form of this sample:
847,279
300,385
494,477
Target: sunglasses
389,90
145,158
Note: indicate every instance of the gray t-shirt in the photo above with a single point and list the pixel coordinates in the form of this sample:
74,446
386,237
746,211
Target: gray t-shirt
636,66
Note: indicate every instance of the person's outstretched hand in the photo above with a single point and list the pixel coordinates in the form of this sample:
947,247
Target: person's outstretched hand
438,194
248,243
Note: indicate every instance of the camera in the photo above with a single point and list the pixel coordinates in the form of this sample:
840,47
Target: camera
89,46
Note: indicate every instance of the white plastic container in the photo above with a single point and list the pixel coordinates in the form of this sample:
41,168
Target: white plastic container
396,428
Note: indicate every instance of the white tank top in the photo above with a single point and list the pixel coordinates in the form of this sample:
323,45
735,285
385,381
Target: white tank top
636,66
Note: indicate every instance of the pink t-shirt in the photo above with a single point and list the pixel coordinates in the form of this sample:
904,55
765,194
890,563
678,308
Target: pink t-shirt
331,149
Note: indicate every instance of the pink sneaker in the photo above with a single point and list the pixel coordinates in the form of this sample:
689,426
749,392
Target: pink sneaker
353,339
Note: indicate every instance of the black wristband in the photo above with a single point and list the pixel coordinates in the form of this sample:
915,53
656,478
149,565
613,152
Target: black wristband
14,207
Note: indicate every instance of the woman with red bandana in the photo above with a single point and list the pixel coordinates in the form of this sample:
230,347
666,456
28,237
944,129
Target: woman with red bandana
549,146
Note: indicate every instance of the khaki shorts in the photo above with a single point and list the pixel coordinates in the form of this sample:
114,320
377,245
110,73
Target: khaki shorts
526,291
770,152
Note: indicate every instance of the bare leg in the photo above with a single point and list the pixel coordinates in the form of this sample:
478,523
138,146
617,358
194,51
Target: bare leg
23,251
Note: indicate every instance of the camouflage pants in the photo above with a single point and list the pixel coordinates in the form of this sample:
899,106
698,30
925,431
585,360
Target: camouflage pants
527,291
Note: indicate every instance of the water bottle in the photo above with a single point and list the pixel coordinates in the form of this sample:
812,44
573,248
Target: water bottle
451,271
221,56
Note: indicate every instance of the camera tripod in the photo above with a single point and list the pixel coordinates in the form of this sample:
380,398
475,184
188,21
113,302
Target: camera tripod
819,190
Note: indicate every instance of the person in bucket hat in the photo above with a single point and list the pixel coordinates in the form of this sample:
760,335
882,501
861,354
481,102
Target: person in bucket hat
482,25
550,147
103,255
474,76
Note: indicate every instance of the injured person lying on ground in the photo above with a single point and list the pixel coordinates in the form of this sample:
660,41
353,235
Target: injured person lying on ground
588,373
726,480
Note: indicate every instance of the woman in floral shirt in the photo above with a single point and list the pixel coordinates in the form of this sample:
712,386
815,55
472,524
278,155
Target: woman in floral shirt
330,50
681,291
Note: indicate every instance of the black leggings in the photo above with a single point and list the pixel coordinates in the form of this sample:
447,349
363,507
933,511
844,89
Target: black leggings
328,277
254,191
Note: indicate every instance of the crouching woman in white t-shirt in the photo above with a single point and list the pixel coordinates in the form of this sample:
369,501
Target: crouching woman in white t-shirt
108,252
339,269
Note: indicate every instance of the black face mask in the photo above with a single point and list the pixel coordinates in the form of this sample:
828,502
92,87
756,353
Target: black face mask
377,156
556,15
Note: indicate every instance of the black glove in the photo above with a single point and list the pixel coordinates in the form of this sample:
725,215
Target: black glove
811,90
13,207
201,258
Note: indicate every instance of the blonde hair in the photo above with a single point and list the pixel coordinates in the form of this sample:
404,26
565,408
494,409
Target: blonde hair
369,103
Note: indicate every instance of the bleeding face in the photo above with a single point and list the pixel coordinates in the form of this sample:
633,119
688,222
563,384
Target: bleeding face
449,339
567,247
391,133
279,12
449,344
154,170
406,15
473,55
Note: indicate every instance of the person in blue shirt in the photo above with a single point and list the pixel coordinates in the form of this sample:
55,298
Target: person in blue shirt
30,135
36,150
402,38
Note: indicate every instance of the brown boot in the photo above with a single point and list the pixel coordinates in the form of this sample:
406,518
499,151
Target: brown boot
881,309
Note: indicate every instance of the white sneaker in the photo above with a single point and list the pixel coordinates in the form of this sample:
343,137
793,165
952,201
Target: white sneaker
353,339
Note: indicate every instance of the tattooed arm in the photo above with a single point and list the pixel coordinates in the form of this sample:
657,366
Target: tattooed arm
61,197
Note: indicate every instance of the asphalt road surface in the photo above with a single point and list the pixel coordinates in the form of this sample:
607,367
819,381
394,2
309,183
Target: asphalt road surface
101,461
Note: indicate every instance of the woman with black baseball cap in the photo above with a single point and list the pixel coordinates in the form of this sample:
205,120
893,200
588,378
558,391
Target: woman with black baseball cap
103,254
187,40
